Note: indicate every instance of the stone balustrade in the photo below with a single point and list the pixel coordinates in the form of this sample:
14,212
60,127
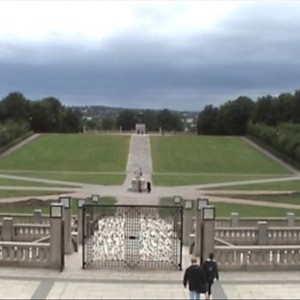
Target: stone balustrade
24,254
30,232
250,236
235,221
258,258
286,236
25,218
237,236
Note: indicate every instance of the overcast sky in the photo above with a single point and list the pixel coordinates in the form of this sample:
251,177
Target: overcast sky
179,55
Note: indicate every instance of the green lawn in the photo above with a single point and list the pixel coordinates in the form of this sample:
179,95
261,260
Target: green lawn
28,208
293,198
25,193
70,152
293,185
13,182
80,177
209,154
224,209
195,179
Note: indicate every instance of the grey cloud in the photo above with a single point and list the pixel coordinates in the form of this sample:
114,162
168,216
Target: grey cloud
253,54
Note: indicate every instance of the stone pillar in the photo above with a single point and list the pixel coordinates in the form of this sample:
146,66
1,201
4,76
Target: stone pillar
7,229
208,238
198,234
262,235
37,216
290,219
56,237
187,221
68,230
234,219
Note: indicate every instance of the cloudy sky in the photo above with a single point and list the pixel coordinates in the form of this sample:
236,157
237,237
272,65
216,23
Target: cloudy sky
149,54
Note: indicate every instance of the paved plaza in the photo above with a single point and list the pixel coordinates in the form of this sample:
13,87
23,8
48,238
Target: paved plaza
76,283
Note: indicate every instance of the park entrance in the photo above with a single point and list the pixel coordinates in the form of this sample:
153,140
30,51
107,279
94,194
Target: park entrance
132,236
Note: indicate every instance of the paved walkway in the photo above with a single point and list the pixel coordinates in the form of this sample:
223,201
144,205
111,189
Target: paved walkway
76,283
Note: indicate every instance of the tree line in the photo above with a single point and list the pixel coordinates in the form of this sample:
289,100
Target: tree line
272,121
165,120
233,117
19,116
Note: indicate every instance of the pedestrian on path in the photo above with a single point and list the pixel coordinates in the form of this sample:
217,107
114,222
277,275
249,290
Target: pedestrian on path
210,268
148,186
194,275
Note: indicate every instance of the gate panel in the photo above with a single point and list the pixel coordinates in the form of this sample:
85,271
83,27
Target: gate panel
132,236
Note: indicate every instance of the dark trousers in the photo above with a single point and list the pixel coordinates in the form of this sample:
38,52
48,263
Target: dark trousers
209,285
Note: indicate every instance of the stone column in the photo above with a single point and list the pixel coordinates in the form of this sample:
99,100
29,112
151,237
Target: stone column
57,238
187,221
198,234
234,219
290,219
262,235
7,229
37,216
68,230
208,238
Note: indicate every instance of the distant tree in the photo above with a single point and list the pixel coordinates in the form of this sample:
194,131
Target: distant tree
126,119
15,107
169,121
207,120
71,121
46,115
151,120
108,123
265,111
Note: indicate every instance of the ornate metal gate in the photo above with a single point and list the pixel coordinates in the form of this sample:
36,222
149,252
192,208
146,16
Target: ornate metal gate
132,236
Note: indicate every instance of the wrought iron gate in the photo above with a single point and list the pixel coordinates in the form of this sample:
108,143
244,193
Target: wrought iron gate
132,236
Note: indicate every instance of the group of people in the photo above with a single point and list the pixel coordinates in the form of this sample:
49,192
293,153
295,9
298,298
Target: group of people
200,278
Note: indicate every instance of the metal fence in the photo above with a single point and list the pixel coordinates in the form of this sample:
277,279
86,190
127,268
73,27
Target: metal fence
132,236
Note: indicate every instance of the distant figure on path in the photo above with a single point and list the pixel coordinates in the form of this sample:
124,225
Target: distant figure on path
210,268
194,275
148,186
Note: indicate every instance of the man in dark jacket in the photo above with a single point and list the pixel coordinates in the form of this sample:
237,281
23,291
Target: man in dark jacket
210,268
195,276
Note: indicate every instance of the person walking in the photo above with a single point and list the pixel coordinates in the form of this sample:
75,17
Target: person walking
194,275
210,268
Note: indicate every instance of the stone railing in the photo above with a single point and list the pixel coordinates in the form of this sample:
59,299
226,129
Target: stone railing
258,258
237,236
256,236
26,218
30,232
24,254
235,221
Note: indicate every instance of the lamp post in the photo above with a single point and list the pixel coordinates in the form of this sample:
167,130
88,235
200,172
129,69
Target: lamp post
95,198
66,201
177,200
201,202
